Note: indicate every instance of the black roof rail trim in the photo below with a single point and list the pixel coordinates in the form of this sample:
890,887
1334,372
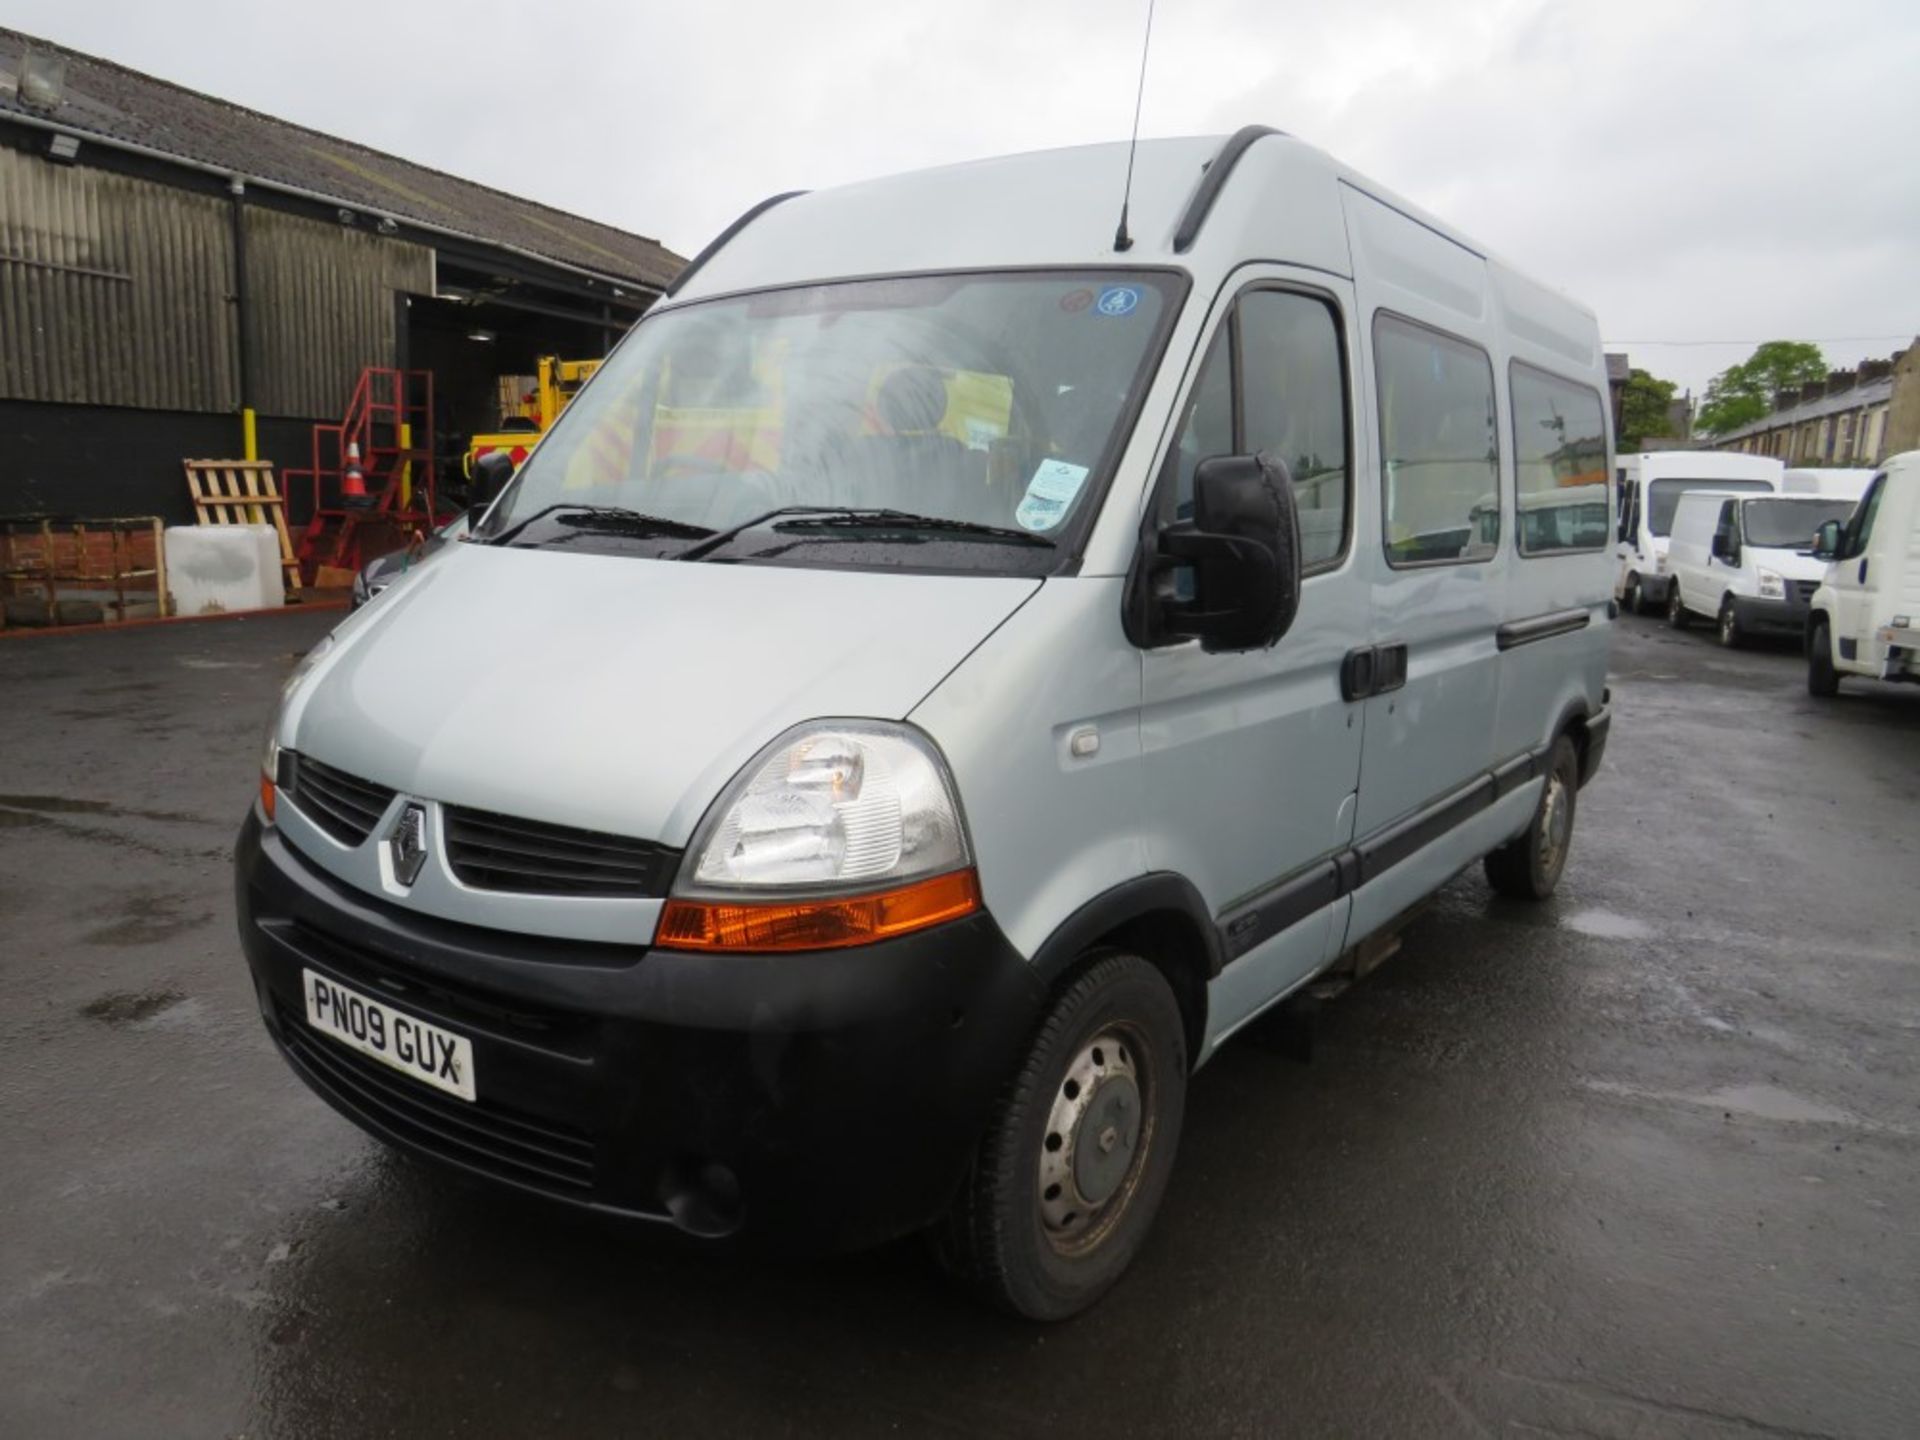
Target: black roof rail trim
719,242
1211,183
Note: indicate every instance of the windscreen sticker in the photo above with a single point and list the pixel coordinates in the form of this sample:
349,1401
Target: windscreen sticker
1118,300
1049,493
1074,301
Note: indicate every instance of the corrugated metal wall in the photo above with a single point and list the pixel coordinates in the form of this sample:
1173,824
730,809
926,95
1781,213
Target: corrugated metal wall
321,302
119,291
113,290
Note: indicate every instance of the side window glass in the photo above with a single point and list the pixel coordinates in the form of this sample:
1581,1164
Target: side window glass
1560,463
1208,430
1869,507
1293,404
1440,446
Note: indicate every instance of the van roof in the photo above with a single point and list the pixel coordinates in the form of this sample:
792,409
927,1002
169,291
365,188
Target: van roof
1281,201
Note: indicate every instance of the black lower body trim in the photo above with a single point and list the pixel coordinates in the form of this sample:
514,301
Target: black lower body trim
829,1100
1541,627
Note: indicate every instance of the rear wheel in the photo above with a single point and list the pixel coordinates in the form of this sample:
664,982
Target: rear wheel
1677,617
1727,628
1822,679
1076,1158
1530,867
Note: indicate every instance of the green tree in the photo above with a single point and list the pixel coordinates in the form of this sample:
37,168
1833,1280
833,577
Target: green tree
1643,408
1743,393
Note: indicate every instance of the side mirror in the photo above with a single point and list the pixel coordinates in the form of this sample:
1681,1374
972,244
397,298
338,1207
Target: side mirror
1243,546
491,474
1826,541
1726,548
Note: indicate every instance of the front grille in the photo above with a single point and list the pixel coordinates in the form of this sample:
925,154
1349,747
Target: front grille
1802,590
343,805
499,852
482,1134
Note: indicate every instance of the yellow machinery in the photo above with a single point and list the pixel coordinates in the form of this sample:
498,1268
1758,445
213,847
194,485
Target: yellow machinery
527,415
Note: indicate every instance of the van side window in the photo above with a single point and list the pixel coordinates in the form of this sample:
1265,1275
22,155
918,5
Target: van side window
1860,527
1208,430
1723,529
1439,445
1275,379
1560,463
1294,405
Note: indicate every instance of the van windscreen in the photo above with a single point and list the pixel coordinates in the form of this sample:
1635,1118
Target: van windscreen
988,406
1783,523
1663,497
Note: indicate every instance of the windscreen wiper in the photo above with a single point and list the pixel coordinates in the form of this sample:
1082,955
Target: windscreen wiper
604,517
854,517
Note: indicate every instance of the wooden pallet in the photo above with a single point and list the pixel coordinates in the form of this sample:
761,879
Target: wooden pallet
243,492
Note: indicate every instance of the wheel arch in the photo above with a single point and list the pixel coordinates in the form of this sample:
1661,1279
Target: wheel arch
1159,916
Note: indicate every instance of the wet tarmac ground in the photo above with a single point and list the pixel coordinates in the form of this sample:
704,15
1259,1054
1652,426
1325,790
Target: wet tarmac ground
1644,1161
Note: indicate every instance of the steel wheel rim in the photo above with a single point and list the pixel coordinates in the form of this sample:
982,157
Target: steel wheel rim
1556,823
1726,624
1099,1132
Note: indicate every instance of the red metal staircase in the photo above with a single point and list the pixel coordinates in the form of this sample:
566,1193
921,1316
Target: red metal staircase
391,419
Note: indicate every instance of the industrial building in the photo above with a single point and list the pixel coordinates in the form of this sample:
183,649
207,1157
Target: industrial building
185,278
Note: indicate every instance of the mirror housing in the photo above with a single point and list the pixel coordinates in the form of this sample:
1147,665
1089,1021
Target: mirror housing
491,474
1826,541
1726,548
1243,547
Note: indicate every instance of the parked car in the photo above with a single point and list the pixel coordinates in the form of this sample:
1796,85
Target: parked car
1651,484
894,729
1746,561
1865,616
381,571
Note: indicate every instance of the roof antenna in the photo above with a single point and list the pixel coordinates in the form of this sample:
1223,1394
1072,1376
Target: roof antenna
1121,239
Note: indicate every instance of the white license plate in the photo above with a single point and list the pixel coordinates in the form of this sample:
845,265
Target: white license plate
409,1044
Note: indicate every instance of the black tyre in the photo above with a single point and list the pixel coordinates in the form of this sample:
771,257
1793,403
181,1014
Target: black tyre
1634,603
1677,617
1823,680
1076,1158
1530,867
1727,628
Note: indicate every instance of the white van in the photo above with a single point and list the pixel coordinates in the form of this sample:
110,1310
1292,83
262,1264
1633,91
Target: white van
950,669
1835,484
1746,560
1650,485
1865,616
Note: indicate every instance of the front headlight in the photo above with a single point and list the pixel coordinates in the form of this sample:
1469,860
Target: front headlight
1773,585
273,761
836,834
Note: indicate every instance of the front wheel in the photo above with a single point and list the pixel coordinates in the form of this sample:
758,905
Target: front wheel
1823,680
1677,618
1634,603
1076,1158
1727,629
1530,867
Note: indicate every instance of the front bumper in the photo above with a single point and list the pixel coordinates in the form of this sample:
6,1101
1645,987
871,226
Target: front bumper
1786,617
827,1100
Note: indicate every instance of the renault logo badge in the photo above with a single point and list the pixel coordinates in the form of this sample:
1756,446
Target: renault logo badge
407,845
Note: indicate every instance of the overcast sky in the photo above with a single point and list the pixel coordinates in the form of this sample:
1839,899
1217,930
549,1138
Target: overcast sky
1694,169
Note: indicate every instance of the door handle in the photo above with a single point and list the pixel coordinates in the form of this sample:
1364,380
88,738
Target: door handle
1863,572
1373,670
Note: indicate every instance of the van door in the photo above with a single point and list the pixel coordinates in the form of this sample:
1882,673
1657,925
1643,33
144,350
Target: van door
1251,760
1437,601
1852,579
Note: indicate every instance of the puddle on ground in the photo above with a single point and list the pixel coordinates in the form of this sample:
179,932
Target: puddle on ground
1753,1101
129,1007
55,804
146,920
1605,925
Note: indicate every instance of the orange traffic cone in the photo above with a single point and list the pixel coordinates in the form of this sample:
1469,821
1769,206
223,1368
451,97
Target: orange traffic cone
353,481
